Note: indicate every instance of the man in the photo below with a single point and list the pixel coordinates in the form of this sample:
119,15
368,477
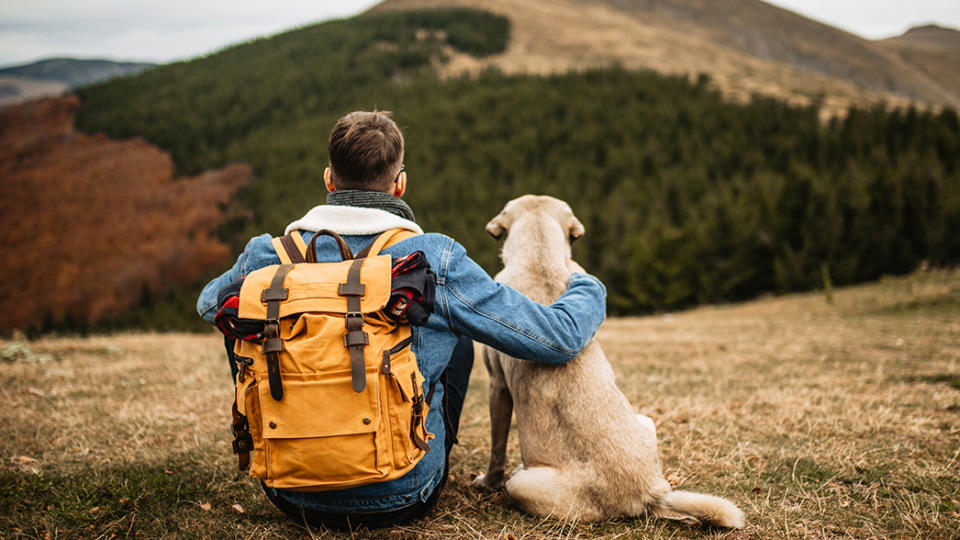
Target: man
365,181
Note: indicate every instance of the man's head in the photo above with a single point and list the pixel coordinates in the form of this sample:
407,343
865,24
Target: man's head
366,152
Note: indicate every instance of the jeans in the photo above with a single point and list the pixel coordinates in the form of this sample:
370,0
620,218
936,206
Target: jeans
455,379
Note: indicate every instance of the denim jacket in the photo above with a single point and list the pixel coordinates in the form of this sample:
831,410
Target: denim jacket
468,302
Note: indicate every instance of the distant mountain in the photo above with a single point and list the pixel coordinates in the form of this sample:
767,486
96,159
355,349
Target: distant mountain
54,76
746,46
933,49
75,73
930,36
18,89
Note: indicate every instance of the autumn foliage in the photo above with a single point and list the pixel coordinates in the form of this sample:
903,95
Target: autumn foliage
88,223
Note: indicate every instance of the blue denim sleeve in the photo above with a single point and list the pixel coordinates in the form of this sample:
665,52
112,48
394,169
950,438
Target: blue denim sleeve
498,315
248,261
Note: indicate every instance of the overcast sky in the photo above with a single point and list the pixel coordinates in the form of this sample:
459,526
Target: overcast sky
179,29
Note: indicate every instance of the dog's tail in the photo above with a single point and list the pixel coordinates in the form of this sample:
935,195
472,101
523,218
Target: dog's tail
697,508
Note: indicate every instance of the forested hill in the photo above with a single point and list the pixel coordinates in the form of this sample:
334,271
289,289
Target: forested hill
686,198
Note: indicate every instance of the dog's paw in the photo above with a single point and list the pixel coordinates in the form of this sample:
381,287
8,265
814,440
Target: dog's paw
482,481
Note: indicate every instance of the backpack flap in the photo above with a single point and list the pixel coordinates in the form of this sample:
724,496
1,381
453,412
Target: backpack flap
353,288
315,288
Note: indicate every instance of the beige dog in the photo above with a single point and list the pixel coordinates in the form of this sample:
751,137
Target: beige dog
586,455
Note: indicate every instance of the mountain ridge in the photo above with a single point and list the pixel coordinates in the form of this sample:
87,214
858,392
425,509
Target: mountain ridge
746,47
54,76
75,72
933,49
931,35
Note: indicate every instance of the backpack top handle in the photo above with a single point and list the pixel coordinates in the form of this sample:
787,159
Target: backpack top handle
312,248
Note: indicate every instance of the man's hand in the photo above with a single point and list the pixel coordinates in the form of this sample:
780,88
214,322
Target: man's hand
573,267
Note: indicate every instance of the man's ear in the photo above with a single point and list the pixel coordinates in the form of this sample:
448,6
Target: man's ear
498,225
328,180
575,230
401,186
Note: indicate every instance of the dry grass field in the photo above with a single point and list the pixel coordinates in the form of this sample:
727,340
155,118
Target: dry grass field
819,420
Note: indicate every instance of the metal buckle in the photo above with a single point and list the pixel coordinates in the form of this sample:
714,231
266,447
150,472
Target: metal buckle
243,360
243,444
242,363
354,321
271,328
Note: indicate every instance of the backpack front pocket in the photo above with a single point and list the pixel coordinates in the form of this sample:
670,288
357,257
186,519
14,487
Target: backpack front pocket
322,435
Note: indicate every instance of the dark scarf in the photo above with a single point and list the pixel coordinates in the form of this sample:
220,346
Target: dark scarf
371,199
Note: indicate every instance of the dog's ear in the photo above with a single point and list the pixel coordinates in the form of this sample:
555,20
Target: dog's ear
498,225
575,230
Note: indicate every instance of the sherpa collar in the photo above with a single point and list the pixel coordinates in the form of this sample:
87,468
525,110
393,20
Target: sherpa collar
350,220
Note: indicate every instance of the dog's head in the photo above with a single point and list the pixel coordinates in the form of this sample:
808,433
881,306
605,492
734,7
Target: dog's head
542,204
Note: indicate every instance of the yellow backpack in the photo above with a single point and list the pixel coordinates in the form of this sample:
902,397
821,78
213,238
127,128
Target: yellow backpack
332,398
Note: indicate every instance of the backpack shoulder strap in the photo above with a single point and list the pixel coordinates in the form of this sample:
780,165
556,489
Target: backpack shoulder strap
386,239
290,248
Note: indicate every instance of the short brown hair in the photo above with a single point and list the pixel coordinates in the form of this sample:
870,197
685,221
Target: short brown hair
366,151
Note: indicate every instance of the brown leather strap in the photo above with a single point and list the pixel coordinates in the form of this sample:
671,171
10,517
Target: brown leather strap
417,440
271,349
385,364
355,339
341,244
242,441
353,289
277,293
417,420
290,246
273,343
